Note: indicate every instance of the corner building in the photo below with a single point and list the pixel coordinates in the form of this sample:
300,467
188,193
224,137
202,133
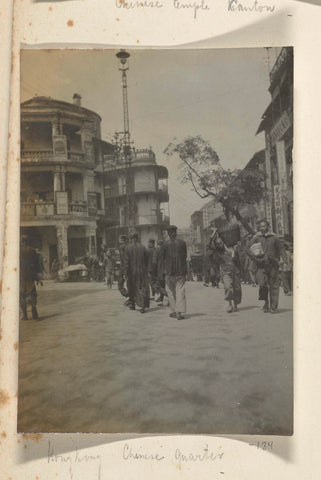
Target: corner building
149,209
62,191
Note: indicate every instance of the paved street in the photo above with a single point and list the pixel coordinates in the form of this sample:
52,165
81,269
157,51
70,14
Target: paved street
91,365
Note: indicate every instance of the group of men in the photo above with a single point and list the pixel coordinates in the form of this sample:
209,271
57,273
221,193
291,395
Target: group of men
266,255
161,270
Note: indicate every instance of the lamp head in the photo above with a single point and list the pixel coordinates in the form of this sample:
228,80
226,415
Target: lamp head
123,56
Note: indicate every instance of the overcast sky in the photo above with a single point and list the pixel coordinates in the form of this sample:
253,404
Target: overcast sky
220,94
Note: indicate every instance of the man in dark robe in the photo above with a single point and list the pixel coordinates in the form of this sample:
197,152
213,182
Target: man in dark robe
29,271
123,241
136,268
159,272
151,270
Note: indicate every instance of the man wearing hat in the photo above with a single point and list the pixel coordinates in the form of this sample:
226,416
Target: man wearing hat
136,268
174,254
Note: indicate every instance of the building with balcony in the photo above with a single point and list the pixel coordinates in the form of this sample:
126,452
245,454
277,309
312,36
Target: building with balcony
142,206
62,190
277,123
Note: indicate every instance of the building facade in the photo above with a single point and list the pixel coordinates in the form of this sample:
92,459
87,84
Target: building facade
277,123
145,207
62,191
73,190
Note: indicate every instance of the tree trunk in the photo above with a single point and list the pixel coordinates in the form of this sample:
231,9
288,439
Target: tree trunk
242,221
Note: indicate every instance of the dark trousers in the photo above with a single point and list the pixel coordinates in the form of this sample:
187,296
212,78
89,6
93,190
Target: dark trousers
269,284
286,278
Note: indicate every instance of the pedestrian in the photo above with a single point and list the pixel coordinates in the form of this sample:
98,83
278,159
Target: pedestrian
123,241
265,250
159,272
230,269
150,268
54,269
286,269
207,267
29,274
109,262
136,268
174,256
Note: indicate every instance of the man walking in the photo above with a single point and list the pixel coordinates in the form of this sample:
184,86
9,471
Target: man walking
230,265
266,249
158,269
174,254
123,241
136,268
151,271
109,269
29,274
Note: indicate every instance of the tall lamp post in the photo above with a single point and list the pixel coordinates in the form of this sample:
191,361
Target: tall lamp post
123,56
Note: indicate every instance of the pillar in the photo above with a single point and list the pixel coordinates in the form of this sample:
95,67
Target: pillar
91,239
62,244
88,183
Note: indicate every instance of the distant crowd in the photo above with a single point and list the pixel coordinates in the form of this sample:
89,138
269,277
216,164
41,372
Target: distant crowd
159,271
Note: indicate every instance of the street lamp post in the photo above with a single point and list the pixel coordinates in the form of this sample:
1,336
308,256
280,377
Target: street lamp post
123,56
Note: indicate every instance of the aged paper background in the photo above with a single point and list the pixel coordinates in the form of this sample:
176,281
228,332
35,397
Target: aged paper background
100,22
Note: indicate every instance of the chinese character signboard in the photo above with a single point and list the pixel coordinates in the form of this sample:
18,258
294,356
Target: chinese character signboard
278,211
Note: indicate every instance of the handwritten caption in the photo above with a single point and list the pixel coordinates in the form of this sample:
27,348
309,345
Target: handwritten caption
197,6
178,456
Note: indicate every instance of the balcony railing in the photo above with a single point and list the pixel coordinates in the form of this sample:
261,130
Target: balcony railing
49,209
78,208
39,209
36,156
48,156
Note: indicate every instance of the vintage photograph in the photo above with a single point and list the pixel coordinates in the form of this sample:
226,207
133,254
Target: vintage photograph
156,241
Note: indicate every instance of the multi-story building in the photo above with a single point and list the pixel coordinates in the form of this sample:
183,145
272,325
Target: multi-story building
277,123
62,194
148,212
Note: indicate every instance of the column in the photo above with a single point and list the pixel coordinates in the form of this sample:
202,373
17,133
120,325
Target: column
91,239
62,243
88,183
57,182
55,128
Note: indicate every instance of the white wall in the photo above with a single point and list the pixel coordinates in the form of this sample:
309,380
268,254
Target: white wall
145,180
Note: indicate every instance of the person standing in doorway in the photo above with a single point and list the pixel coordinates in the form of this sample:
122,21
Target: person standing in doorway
174,256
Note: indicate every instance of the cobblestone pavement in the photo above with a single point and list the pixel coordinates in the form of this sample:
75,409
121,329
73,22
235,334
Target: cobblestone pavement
91,365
